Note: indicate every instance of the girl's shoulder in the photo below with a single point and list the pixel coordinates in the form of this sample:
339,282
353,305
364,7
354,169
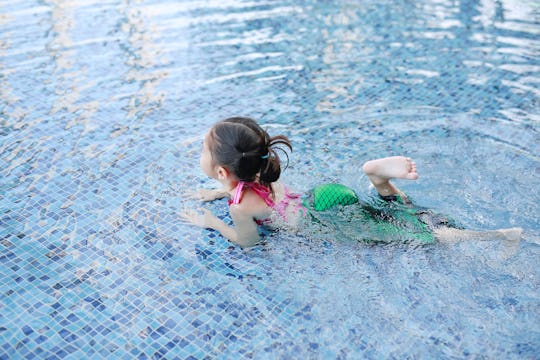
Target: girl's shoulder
251,204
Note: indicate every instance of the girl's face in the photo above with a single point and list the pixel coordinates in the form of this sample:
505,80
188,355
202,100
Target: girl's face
207,165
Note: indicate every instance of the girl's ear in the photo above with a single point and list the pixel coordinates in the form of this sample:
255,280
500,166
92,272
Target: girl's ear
222,173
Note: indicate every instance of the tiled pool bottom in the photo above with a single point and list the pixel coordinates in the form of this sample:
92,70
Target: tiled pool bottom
147,299
136,291
142,300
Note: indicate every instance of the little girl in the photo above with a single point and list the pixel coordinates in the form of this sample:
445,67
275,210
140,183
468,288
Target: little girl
244,159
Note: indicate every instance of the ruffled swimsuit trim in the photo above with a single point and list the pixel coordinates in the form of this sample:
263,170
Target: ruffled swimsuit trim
265,193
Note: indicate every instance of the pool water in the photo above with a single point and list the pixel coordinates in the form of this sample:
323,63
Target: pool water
103,108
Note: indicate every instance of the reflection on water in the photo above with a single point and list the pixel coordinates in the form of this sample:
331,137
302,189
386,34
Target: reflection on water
103,107
426,53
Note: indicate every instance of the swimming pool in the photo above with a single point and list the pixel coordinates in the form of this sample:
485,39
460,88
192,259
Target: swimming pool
104,105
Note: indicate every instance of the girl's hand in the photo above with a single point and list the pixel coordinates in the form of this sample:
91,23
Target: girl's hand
207,194
204,219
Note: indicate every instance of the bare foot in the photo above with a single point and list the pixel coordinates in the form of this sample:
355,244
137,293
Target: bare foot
511,245
512,234
381,171
394,167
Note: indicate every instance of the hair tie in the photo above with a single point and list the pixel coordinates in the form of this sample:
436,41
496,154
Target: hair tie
264,156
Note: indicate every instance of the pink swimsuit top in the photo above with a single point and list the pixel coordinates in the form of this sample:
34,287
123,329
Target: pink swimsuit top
264,193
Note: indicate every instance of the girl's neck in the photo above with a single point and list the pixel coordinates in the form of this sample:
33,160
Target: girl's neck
229,185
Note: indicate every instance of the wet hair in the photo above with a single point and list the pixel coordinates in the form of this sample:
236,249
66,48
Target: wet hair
247,151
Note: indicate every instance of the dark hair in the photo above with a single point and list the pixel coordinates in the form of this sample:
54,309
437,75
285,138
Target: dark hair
247,151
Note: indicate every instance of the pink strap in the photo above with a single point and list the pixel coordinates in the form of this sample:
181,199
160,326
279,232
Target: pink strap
263,192
237,194
259,189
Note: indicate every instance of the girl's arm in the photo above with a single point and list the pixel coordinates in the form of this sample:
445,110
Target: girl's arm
244,233
245,227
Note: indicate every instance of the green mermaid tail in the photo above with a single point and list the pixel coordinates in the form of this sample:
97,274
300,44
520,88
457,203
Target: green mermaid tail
329,195
381,221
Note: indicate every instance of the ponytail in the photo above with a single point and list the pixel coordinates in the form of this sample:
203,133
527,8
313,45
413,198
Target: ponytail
247,150
271,164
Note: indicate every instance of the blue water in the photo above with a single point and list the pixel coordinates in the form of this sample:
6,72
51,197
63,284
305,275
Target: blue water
103,108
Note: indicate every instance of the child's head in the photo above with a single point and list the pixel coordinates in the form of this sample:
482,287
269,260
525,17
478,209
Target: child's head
246,150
